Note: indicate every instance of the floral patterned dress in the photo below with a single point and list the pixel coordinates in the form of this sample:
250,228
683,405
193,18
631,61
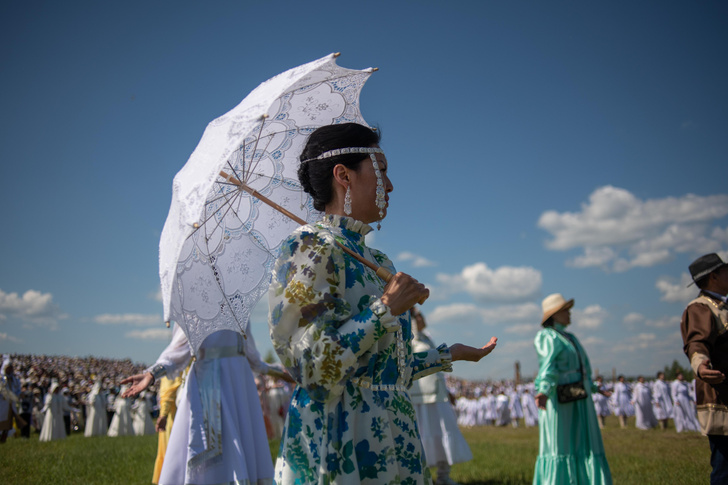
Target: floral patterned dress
350,419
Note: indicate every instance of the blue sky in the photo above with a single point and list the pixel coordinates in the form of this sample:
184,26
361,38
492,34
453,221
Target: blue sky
535,147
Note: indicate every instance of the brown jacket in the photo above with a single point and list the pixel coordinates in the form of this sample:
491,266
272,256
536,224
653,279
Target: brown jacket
704,330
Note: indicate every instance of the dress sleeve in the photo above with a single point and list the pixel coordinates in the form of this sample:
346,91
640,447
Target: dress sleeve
316,332
547,347
431,361
174,358
696,328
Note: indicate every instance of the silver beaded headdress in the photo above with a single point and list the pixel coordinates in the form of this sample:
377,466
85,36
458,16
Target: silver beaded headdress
345,151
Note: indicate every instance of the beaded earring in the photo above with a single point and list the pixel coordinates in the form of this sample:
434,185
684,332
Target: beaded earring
347,202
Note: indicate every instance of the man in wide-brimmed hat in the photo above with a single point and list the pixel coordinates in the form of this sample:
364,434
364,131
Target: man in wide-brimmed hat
704,329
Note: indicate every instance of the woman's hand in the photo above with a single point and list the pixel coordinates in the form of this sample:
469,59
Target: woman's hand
161,424
472,354
403,292
138,383
541,400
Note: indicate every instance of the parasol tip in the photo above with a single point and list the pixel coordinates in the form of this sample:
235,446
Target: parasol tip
167,323
336,54
375,69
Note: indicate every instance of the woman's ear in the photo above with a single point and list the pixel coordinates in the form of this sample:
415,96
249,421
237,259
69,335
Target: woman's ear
341,175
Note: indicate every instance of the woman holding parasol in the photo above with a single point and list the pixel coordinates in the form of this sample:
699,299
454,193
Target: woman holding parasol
343,333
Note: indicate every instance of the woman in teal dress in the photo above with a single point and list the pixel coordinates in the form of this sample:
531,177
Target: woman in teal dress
343,334
570,443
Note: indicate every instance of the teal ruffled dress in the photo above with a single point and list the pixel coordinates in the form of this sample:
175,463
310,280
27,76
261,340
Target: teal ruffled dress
570,442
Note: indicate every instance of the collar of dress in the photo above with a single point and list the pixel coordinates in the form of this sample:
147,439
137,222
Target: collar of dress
352,228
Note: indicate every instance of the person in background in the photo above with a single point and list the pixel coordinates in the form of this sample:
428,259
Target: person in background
642,401
10,389
96,421
167,409
442,440
601,401
623,407
570,443
661,400
704,328
55,406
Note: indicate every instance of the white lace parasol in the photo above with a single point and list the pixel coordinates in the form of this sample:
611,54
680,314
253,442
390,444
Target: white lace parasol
219,243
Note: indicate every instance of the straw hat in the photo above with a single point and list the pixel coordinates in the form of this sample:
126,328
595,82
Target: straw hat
553,304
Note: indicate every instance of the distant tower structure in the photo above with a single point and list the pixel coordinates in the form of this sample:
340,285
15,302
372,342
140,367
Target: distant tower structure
614,374
596,371
518,373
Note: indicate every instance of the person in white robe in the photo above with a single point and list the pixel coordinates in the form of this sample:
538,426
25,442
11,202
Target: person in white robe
530,411
502,412
219,433
622,396
96,419
443,443
642,400
683,411
142,415
661,400
515,407
491,413
54,427
601,401
122,423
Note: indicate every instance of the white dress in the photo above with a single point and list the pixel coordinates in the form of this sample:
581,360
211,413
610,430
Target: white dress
530,410
661,400
53,425
645,418
97,422
683,410
121,423
222,441
142,416
601,403
502,411
622,400
441,437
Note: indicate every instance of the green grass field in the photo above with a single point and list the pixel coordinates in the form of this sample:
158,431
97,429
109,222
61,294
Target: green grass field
500,456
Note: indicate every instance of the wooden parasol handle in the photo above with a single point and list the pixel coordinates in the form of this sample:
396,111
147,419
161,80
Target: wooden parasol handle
383,273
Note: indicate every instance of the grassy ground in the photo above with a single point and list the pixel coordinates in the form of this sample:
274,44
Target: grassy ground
500,456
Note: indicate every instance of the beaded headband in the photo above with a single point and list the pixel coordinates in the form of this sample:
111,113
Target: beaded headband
345,151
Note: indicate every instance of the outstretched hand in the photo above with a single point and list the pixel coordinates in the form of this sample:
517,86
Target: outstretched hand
709,375
472,354
139,383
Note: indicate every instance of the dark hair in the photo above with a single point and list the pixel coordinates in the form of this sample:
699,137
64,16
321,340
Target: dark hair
316,176
702,282
549,322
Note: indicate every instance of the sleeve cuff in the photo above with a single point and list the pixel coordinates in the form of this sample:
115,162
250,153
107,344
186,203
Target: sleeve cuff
695,360
544,388
384,314
157,371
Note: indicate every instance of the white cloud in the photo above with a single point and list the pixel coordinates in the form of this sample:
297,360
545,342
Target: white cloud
128,319
9,338
506,283
617,231
679,291
33,307
156,295
633,318
464,313
523,328
417,261
672,321
163,334
590,317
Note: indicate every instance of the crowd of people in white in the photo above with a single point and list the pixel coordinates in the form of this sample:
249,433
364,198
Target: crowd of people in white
653,403
60,395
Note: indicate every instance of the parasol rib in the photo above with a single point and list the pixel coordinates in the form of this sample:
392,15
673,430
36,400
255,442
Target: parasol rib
381,272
